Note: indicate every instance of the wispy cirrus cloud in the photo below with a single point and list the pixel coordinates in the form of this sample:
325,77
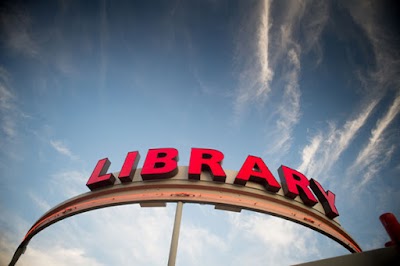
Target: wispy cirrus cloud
287,49
7,106
382,77
378,151
385,73
17,29
286,52
63,149
46,44
269,53
309,152
313,23
6,97
253,54
289,109
265,73
42,204
69,183
10,113
326,148
103,28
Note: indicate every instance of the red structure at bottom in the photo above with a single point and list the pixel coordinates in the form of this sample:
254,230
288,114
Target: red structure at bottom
392,227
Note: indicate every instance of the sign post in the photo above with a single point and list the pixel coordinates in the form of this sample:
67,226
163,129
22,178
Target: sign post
175,234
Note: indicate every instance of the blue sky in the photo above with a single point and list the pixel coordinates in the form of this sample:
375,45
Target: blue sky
312,85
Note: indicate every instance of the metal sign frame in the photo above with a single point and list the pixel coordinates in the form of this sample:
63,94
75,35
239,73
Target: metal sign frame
226,196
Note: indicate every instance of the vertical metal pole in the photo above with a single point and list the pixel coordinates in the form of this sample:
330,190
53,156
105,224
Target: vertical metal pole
175,234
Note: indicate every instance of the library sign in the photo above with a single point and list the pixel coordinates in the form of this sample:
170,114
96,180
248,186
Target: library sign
204,180
163,164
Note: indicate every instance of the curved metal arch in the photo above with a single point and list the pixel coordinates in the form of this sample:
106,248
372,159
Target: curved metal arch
251,197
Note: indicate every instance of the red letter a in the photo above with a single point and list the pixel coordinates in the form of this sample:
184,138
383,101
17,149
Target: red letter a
255,170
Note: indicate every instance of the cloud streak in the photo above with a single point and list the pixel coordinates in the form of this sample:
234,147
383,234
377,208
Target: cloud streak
9,112
69,183
16,26
256,73
309,154
382,77
385,74
325,149
289,109
378,151
287,51
272,61
62,148
266,73
103,28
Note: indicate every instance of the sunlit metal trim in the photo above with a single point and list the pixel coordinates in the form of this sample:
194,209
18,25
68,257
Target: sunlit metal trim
179,190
